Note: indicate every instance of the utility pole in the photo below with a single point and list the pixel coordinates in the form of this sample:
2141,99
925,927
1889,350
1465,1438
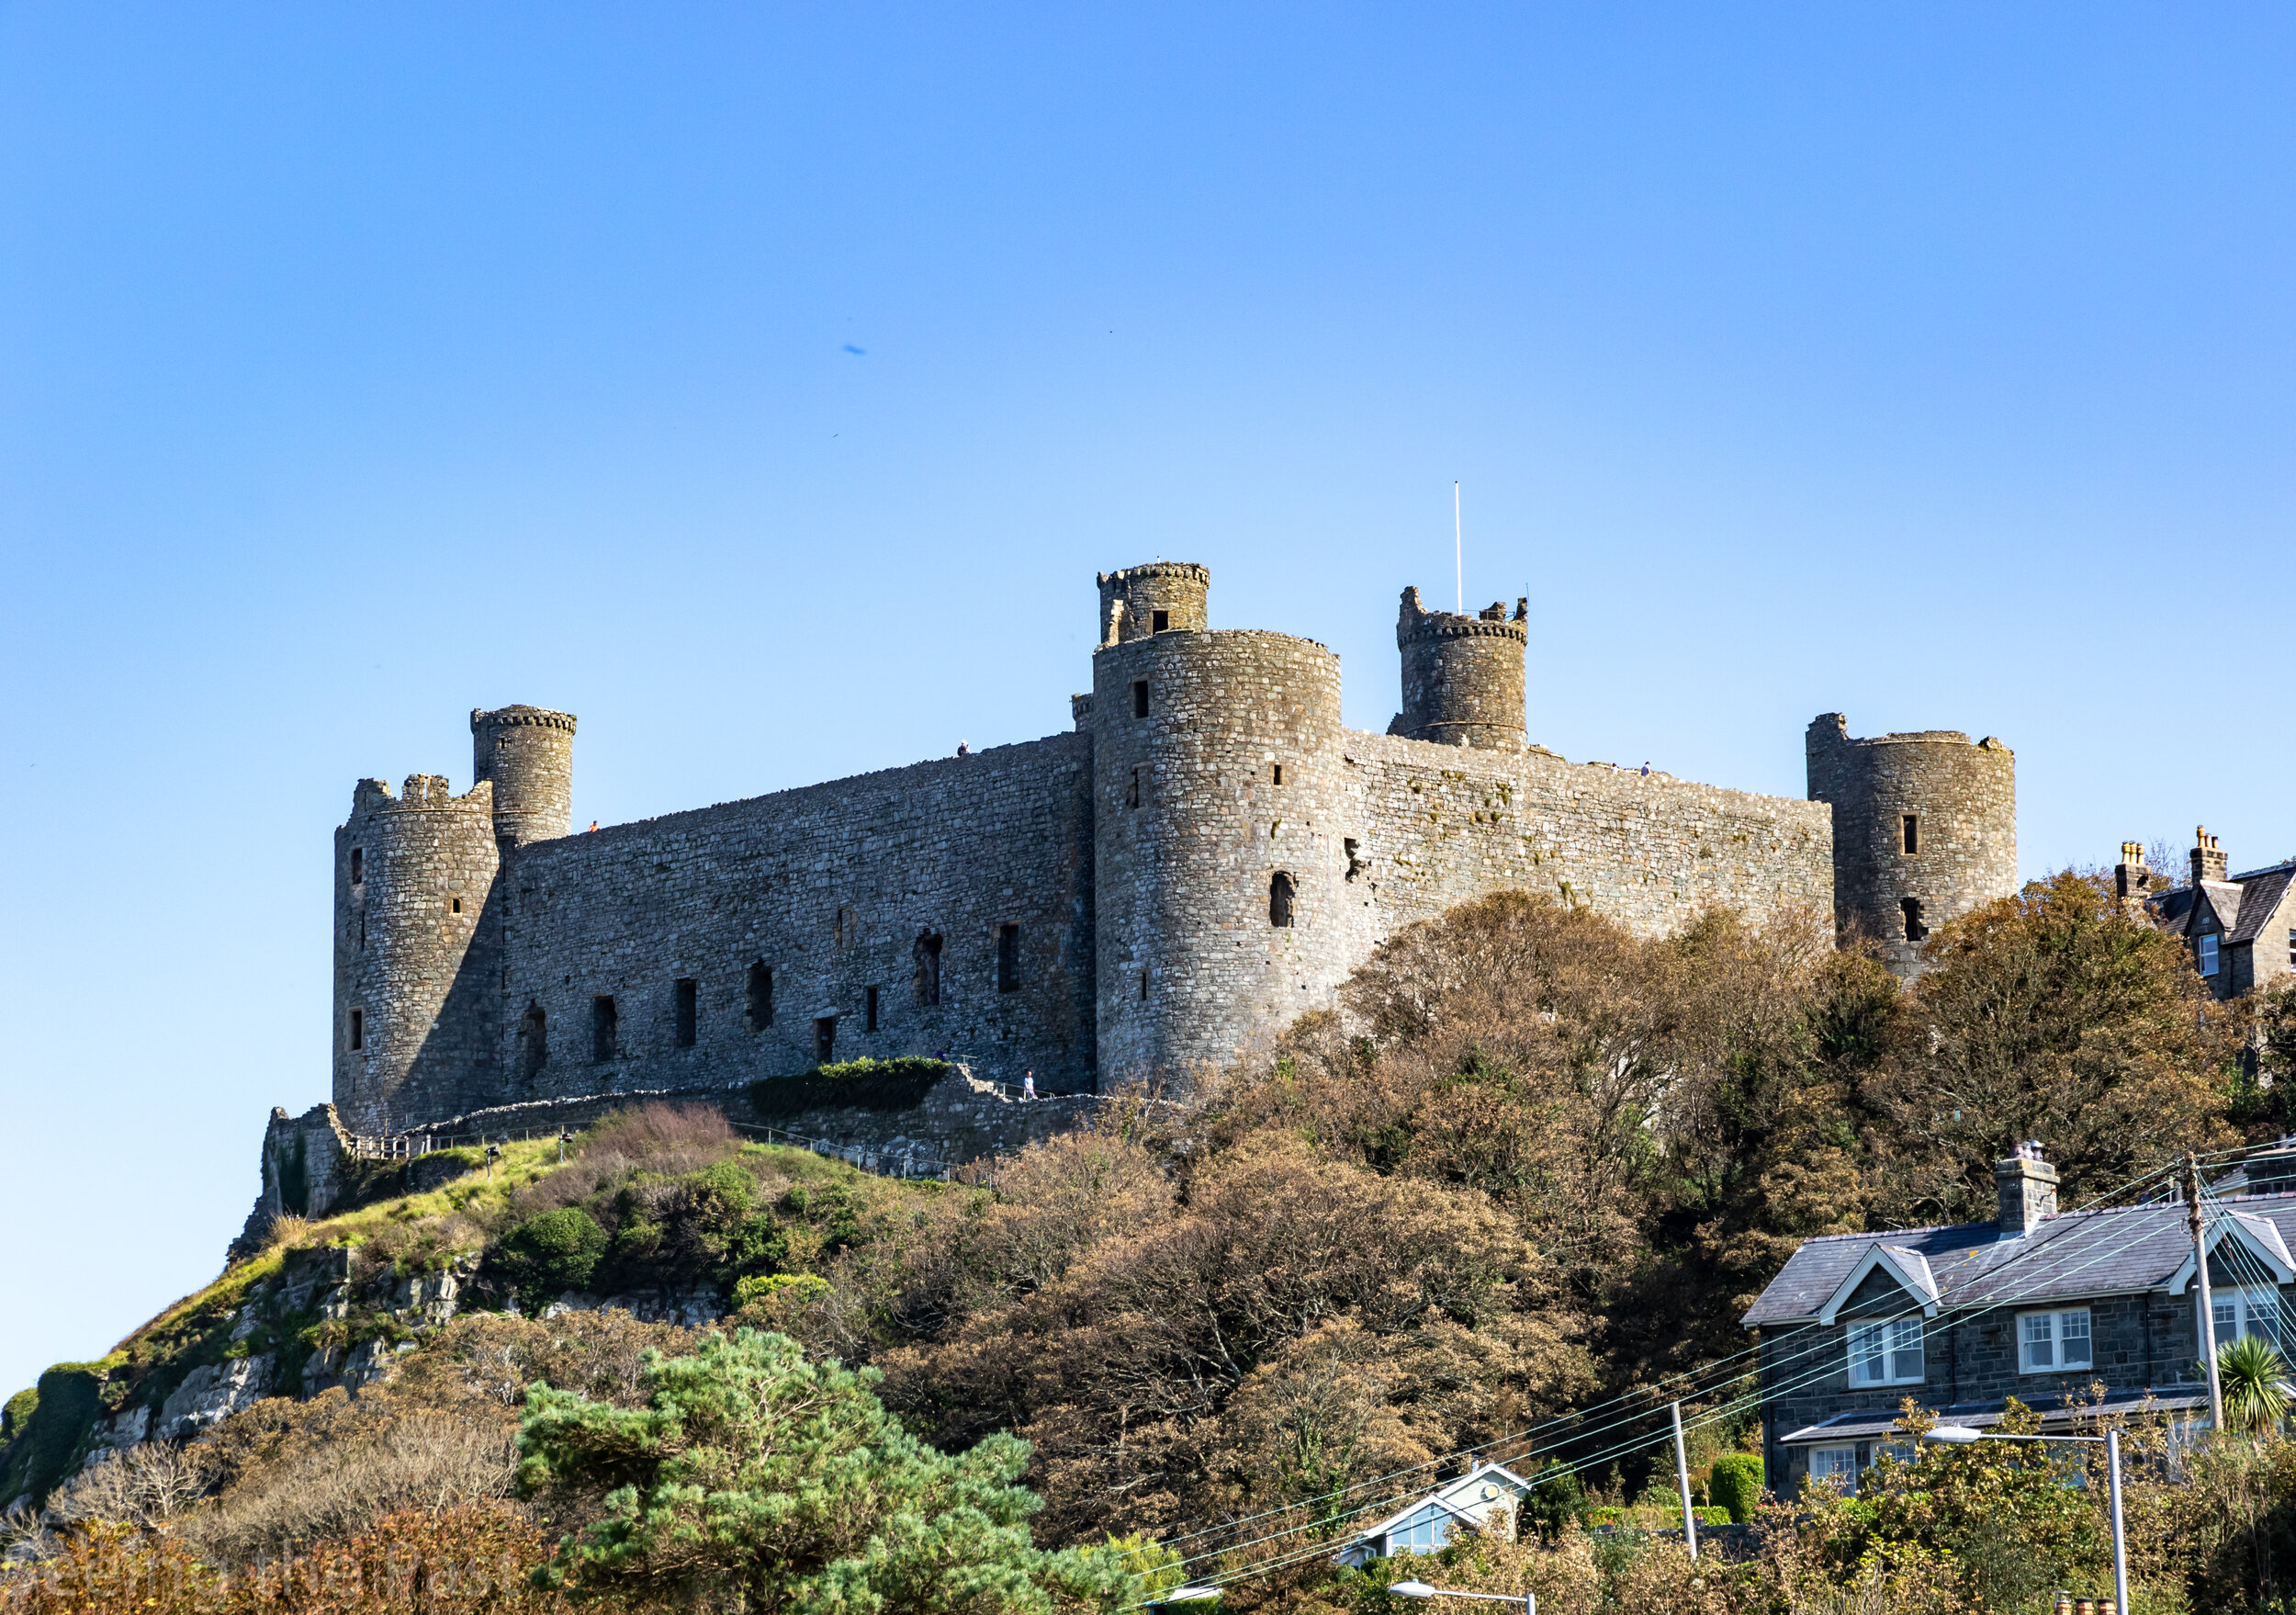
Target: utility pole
1682,1480
2120,1541
2208,1304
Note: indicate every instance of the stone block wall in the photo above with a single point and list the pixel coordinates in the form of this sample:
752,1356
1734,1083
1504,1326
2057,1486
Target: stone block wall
1962,800
902,883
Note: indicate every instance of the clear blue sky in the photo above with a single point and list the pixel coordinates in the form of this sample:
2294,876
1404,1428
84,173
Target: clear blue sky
765,385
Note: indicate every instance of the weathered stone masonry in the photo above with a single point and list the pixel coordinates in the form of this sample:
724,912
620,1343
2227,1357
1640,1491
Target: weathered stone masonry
1209,854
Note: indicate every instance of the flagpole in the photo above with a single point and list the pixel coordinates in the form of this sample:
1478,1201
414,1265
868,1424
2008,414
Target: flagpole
1458,554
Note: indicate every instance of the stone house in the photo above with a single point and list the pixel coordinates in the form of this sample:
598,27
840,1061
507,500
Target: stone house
2039,1305
2241,929
1483,1499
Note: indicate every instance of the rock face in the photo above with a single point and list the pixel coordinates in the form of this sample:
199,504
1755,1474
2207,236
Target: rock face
210,1395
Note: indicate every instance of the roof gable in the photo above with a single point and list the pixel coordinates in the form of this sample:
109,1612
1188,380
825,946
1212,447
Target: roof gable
2257,1235
2263,896
1900,1264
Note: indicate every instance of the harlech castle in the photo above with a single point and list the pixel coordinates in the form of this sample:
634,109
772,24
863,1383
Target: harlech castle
1207,854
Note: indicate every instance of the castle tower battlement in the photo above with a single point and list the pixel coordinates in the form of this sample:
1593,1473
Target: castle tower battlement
1925,829
1462,675
528,753
1163,597
413,876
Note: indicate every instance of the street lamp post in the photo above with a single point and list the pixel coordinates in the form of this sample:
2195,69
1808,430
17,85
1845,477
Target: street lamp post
1963,1436
1420,1590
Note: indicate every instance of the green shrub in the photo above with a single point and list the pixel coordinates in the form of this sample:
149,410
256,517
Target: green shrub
17,1417
1556,1500
556,1251
864,1084
1712,1517
802,1286
1735,1484
70,1397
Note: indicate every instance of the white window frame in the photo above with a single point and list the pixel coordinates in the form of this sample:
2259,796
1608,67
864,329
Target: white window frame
2057,1337
2244,1303
1825,1462
1902,1338
2207,949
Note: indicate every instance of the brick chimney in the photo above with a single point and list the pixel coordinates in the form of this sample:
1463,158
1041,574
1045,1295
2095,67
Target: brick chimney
2028,1188
2208,857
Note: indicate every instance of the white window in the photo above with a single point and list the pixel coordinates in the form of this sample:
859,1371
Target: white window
2252,1310
1422,1532
2207,955
1835,1463
2049,1341
1885,1353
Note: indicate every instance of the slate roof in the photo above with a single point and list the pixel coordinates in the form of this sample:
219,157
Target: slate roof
2223,897
2260,899
2114,1251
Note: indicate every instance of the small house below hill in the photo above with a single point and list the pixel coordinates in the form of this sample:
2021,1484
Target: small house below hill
1484,1499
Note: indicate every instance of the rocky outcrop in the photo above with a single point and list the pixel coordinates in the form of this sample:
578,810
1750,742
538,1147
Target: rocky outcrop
211,1394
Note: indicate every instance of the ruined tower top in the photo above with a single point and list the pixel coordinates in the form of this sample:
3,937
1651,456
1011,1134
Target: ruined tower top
1164,596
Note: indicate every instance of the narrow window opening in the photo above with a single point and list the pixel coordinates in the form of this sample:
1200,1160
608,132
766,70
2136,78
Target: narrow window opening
1132,797
868,1010
533,1042
605,1027
1139,697
1279,900
927,977
358,864
824,1039
1911,907
760,995
1911,829
454,905
1278,770
363,933
1008,958
1158,621
848,927
359,1029
1143,987
689,1002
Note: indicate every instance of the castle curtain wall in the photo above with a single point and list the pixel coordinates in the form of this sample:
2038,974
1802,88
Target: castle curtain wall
1437,825
832,887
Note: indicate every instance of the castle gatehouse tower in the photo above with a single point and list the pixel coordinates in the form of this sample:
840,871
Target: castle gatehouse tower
1925,829
1462,675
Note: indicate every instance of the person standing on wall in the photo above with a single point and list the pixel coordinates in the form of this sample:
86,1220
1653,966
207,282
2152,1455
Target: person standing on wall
1028,1085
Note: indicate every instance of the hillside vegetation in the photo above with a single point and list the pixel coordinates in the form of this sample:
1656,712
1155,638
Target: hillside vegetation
1533,1162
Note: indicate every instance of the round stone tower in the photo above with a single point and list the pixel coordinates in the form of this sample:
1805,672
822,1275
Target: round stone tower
1925,829
414,1032
1159,598
528,753
1217,858
1462,675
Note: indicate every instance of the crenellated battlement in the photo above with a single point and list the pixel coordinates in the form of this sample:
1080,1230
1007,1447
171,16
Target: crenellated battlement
422,793
536,717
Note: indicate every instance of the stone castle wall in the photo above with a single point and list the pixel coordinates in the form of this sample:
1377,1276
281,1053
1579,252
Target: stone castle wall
1206,856
899,882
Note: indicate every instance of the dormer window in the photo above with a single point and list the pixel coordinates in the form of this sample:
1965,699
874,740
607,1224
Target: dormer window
2207,951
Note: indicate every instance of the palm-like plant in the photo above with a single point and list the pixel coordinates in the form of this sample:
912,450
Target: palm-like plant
2255,1383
